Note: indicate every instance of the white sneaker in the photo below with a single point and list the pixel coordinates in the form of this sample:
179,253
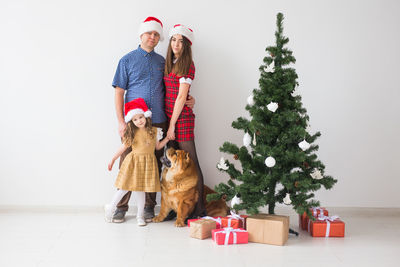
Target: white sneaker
141,221
109,212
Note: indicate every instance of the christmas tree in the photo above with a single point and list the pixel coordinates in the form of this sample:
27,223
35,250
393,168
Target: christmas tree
277,158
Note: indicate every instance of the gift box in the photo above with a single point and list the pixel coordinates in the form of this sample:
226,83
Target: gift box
325,226
234,220
216,219
303,219
228,236
201,229
268,229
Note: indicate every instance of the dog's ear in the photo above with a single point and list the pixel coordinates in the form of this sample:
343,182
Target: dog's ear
171,150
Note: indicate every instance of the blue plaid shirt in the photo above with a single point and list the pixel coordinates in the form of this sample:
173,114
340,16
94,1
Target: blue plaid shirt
140,74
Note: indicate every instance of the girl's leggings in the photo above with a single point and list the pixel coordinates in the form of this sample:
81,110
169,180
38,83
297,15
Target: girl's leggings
138,195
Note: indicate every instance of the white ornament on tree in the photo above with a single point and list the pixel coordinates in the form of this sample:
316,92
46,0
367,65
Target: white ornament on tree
222,165
250,100
272,106
235,201
270,67
287,199
304,145
254,140
316,174
297,169
270,162
246,139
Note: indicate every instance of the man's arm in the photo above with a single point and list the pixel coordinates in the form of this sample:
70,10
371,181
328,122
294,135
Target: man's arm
119,108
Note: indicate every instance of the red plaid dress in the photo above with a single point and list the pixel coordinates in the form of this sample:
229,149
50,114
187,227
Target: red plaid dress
184,127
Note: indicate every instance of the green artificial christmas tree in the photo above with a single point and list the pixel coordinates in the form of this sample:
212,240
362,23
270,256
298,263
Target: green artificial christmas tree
277,158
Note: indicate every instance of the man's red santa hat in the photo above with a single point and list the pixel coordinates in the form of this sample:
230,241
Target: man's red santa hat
151,24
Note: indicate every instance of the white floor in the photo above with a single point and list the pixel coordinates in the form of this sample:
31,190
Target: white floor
44,237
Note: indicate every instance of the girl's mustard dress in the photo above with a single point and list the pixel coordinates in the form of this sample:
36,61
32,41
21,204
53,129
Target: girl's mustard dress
139,170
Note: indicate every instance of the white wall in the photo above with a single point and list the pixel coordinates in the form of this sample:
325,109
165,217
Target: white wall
58,125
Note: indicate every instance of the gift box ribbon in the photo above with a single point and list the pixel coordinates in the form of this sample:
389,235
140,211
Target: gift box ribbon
327,219
234,216
227,231
315,211
217,220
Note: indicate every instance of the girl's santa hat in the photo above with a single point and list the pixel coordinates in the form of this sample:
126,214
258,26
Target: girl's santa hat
151,24
134,107
182,30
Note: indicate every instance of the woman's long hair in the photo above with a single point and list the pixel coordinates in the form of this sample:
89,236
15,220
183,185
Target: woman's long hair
182,65
131,130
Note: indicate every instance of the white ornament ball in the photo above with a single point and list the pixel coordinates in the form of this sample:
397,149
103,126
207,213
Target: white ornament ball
270,162
246,139
287,199
250,100
304,145
272,106
222,165
235,201
316,174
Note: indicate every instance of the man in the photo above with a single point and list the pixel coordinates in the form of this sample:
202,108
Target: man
140,74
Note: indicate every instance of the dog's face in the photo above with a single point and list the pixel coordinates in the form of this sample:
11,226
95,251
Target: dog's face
176,159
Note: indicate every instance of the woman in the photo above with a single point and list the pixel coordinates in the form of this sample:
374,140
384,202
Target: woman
178,76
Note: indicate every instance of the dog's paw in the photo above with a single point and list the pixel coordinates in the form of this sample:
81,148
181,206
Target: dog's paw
180,223
157,219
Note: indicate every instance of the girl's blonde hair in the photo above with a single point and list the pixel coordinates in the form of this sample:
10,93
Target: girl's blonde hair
131,130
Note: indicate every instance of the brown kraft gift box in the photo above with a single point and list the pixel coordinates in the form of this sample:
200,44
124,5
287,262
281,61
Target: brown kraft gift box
201,229
268,228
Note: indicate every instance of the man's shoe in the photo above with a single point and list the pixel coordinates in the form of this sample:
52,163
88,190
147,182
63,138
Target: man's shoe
119,216
148,214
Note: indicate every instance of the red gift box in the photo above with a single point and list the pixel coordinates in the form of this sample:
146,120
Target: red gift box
234,220
326,226
216,219
303,219
227,236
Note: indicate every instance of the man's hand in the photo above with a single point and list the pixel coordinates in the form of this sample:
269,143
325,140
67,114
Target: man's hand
121,129
190,101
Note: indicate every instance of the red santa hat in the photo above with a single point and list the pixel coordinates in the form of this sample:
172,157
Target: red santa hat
134,107
182,30
151,24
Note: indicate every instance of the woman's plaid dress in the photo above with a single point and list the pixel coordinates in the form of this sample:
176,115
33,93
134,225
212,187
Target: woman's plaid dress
184,127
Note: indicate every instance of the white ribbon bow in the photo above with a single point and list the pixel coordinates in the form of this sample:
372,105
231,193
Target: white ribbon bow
217,220
234,215
327,219
227,231
315,211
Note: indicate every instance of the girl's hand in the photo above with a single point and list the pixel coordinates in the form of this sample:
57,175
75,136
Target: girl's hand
121,128
110,165
171,133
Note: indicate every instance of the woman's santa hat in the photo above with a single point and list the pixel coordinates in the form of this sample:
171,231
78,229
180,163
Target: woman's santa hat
182,30
151,24
134,107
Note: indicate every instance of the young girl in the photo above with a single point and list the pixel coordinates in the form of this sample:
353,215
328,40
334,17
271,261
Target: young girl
178,75
139,170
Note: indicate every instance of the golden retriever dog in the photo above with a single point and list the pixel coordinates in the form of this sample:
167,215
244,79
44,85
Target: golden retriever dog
179,192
